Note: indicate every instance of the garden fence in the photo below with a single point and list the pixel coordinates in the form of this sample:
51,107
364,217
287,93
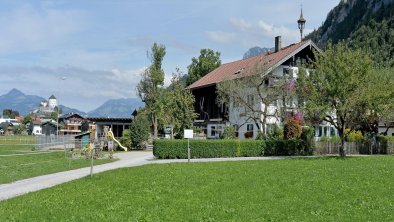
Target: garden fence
353,148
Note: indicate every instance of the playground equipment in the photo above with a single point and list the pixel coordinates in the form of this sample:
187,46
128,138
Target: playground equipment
111,136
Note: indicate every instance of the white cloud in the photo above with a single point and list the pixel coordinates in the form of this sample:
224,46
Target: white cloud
240,24
270,30
247,34
221,37
29,29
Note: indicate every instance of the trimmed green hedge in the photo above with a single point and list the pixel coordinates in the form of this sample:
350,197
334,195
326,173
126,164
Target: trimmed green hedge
177,149
292,147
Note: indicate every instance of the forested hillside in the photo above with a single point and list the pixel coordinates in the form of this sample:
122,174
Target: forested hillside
367,24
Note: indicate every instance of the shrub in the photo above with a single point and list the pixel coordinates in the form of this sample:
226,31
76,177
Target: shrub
139,131
292,129
228,133
281,147
125,140
307,135
334,139
276,132
354,135
177,149
249,148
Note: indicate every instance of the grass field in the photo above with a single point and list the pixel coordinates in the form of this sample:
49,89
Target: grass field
313,189
18,160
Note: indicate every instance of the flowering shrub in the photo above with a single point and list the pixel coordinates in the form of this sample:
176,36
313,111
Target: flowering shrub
354,135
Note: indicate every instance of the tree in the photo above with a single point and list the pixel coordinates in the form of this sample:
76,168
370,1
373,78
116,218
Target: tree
180,105
335,91
149,88
204,64
10,113
126,139
139,130
54,115
253,92
27,119
379,101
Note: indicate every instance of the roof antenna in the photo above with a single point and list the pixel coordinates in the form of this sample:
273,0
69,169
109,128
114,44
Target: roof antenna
301,23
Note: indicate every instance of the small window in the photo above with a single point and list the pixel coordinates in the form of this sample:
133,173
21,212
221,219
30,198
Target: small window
286,71
249,131
333,131
250,100
213,130
249,127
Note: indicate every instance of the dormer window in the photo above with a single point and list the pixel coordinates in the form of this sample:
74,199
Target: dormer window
239,71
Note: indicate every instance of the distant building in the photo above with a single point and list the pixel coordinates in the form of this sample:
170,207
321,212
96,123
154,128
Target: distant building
52,102
46,107
71,124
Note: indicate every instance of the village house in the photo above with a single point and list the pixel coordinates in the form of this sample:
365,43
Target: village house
278,63
71,124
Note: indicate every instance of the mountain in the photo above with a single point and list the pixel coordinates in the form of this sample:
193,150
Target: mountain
16,100
117,108
65,110
254,51
366,24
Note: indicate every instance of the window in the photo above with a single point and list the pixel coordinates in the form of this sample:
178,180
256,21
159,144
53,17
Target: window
249,127
250,100
286,71
333,131
249,131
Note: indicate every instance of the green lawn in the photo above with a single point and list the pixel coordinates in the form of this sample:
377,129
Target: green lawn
314,189
19,167
33,163
16,144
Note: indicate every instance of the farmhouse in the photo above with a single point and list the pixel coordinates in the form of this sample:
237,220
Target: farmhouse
280,63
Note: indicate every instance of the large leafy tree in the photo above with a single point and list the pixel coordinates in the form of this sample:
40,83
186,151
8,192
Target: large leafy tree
204,64
150,86
342,89
181,105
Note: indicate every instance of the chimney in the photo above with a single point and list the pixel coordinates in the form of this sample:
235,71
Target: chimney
278,43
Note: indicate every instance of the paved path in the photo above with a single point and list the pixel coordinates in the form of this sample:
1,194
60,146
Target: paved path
126,159
20,187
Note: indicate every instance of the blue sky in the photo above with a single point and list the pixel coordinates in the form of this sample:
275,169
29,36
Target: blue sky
100,46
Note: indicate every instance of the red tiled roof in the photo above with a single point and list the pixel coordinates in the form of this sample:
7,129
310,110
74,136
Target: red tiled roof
248,66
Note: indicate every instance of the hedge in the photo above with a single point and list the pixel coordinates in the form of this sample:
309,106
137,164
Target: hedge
177,149
292,147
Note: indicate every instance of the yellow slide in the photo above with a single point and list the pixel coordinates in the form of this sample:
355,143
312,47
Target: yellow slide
110,135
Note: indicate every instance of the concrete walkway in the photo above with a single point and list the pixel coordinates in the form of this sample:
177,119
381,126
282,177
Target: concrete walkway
21,187
126,159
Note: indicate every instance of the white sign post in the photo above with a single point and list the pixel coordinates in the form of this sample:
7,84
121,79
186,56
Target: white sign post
188,134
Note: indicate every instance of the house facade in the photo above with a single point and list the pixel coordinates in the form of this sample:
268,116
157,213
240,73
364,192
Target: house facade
280,63
71,124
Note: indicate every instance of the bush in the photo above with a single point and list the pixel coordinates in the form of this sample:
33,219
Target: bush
125,140
292,129
307,135
276,133
139,131
354,135
249,148
228,133
177,149
292,147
